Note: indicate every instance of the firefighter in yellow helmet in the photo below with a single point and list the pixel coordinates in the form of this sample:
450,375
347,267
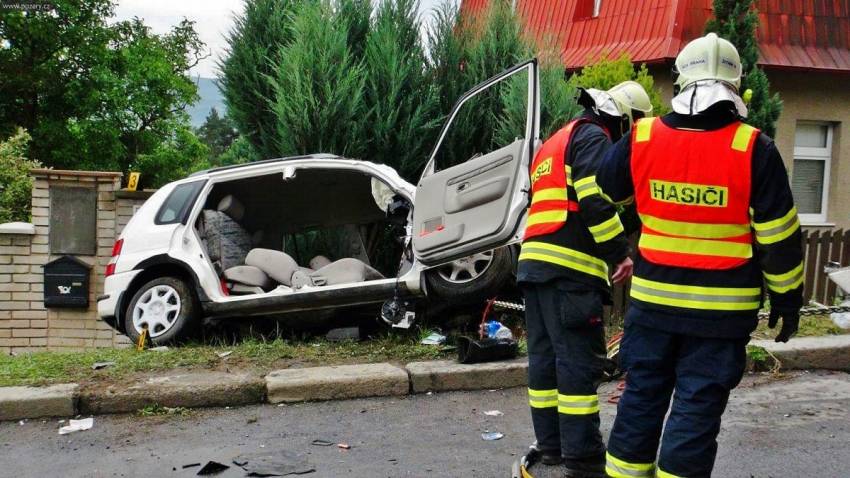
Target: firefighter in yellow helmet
717,221
572,235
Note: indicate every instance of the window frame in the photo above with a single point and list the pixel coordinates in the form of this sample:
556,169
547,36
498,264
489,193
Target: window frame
817,154
183,213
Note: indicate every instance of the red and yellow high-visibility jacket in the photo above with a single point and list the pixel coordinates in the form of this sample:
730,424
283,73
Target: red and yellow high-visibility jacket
571,231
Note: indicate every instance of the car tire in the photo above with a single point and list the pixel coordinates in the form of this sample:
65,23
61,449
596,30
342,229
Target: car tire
167,306
473,278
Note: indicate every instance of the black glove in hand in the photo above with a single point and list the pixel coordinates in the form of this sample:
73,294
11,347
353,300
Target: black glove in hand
790,324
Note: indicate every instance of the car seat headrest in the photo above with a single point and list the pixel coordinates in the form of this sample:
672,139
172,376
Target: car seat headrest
318,262
232,207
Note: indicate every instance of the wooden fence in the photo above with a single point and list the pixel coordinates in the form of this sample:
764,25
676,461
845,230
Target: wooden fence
819,248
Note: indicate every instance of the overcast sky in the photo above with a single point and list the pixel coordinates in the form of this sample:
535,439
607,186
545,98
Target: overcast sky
213,19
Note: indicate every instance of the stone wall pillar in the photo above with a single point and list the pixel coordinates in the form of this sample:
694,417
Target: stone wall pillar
23,319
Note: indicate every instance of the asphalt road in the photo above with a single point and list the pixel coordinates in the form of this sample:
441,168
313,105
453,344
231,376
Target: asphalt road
795,427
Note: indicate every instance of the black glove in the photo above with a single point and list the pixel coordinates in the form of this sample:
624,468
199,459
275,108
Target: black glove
790,324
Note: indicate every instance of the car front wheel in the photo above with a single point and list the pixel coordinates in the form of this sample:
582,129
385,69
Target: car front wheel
475,277
166,307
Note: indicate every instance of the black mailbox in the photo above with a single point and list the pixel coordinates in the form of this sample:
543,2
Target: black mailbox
66,283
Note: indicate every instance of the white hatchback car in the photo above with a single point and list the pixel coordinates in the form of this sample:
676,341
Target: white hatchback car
254,239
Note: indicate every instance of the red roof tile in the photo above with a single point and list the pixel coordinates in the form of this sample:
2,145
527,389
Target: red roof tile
809,34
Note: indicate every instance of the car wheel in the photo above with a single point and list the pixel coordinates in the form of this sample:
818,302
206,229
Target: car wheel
166,307
472,278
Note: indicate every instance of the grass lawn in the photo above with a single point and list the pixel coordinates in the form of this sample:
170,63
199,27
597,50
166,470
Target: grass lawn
253,355
810,326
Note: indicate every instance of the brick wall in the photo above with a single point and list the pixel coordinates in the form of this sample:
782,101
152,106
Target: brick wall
25,324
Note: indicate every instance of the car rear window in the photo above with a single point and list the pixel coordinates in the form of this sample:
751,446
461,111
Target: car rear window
177,204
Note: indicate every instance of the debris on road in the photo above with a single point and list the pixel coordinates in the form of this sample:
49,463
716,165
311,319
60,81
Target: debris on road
277,463
320,442
493,413
434,338
77,426
212,468
344,446
224,354
191,465
100,365
492,436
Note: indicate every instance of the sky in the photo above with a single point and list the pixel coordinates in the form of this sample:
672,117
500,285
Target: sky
213,19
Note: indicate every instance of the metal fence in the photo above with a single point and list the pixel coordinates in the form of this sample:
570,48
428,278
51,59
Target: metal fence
819,248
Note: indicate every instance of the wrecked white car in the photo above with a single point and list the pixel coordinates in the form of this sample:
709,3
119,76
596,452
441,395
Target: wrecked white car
321,232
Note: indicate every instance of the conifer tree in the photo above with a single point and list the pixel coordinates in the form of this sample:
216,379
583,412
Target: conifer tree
736,21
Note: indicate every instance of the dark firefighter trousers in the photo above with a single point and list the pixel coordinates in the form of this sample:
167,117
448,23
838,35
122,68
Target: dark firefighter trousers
566,353
702,372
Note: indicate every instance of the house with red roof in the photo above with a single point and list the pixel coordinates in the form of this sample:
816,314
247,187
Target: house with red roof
804,49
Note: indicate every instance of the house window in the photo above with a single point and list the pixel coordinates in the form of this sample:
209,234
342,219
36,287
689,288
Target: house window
587,9
810,176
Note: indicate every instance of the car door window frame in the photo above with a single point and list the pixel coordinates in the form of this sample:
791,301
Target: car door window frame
532,126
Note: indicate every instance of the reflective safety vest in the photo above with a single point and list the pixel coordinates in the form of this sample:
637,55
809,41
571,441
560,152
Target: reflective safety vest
692,190
550,180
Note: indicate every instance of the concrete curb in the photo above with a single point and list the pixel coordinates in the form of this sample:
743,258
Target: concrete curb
446,375
209,389
334,383
198,389
36,402
811,353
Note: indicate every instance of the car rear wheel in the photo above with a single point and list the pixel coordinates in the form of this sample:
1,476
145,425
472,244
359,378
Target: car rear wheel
166,307
475,277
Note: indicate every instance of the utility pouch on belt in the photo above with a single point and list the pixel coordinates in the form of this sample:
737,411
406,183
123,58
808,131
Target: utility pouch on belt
470,350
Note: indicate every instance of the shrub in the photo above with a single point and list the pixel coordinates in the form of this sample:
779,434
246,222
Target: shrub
15,179
607,73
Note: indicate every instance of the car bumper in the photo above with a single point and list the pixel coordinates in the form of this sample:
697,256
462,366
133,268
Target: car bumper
114,287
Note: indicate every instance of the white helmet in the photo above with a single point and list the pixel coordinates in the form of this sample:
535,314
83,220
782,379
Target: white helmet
630,97
707,58
624,101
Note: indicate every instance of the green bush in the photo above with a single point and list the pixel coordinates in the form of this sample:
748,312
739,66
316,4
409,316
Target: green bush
174,158
607,73
15,179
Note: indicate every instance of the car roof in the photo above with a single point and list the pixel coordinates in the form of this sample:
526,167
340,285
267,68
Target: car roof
264,161
322,158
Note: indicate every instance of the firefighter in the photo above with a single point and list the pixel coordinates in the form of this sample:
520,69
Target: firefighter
571,236
718,221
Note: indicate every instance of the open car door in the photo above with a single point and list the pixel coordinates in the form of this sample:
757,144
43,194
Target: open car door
478,204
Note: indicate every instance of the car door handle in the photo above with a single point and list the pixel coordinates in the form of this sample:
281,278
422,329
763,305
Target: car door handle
463,186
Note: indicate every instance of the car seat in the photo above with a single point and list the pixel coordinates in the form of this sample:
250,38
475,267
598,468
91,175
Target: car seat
255,270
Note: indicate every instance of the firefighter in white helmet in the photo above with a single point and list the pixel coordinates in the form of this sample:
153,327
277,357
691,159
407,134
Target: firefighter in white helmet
717,221
572,235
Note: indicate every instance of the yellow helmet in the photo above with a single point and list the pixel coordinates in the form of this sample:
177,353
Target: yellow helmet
630,98
707,58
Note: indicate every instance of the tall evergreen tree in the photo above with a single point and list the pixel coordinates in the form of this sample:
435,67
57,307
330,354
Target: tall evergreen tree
736,21
254,44
217,133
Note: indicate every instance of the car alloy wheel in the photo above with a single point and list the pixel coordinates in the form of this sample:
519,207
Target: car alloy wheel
466,269
157,310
